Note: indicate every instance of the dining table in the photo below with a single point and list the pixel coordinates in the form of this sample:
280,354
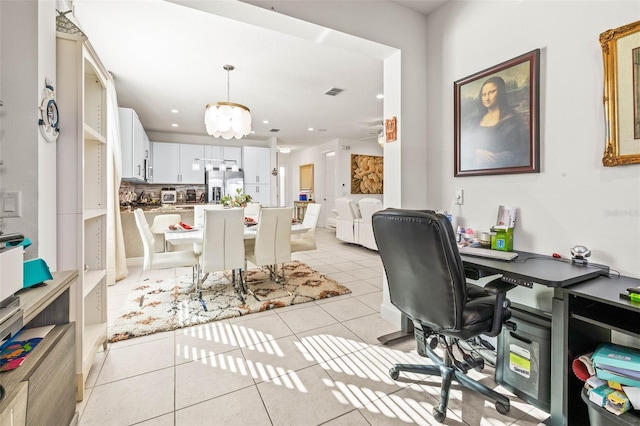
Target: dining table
196,235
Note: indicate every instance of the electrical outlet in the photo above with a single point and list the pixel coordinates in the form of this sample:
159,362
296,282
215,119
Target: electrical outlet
459,197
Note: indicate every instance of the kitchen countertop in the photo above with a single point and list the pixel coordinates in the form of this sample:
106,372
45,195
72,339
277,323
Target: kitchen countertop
159,208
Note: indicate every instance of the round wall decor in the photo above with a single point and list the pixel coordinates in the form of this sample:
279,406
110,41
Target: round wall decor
49,119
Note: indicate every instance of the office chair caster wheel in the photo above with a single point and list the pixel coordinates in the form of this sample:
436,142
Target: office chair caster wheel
394,373
502,408
438,415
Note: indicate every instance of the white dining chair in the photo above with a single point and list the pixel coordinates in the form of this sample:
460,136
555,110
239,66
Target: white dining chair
307,241
272,245
161,223
171,259
252,211
223,247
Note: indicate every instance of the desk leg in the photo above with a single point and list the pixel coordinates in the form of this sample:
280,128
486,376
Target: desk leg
559,356
406,329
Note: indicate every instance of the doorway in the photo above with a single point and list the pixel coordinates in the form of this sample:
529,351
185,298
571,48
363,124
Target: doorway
329,189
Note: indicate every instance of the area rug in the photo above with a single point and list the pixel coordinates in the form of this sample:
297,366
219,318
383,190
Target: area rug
170,304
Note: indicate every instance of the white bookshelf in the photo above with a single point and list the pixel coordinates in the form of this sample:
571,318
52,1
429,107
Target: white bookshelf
82,193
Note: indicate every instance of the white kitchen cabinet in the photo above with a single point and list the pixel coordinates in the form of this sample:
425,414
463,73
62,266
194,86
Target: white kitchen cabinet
257,173
172,163
257,165
229,153
135,146
82,163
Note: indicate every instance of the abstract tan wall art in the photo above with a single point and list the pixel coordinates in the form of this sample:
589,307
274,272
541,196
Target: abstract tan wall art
366,174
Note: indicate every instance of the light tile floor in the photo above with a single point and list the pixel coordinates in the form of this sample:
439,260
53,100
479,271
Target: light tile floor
309,364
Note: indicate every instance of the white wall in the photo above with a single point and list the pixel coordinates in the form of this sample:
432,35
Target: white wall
27,43
574,199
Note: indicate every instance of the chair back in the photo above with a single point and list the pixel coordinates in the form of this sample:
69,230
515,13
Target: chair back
368,206
198,213
148,241
161,222
346,209
424,270
311,216
223,242
273,236
252,210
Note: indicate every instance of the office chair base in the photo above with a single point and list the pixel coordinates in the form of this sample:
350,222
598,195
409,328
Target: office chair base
449,372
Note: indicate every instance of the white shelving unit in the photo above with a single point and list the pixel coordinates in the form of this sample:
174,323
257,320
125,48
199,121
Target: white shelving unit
82,195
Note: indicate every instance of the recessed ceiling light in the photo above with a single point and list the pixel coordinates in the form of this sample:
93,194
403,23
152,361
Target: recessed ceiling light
265,121
175,111
379,96
174,125
310,129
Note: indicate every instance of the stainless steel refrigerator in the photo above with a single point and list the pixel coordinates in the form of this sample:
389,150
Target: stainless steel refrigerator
223,183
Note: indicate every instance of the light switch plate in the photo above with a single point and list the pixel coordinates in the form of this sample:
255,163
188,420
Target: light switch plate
11,204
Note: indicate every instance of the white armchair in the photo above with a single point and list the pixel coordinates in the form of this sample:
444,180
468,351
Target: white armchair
346,229
368,206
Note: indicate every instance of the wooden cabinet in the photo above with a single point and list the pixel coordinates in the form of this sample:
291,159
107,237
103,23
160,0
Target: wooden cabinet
135,146
172,163
43,389
82,163
257,173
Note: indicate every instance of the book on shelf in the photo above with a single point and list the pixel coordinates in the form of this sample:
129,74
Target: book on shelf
16,349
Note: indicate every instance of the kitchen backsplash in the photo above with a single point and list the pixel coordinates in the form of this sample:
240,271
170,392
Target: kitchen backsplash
151,193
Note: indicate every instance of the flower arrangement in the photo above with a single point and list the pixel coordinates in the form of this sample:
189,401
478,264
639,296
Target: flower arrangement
239,200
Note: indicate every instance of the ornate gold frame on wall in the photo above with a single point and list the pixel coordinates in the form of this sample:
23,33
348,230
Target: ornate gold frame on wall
620,93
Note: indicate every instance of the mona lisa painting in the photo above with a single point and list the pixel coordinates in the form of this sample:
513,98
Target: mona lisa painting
496,119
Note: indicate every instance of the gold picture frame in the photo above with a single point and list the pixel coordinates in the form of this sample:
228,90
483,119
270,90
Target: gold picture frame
621,55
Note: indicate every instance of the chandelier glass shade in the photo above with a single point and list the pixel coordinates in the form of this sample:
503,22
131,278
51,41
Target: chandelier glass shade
226,119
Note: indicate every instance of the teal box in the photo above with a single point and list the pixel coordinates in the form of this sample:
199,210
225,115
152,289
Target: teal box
502,240
617,363
35,272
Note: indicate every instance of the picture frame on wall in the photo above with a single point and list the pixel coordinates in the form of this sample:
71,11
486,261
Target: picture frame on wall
496,119
621,55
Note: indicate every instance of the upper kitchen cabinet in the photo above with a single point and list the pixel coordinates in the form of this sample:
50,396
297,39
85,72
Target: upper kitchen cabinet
135,146
227,153
257,165
173,163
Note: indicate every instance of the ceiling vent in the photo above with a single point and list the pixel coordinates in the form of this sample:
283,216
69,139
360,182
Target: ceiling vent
274,130
334,91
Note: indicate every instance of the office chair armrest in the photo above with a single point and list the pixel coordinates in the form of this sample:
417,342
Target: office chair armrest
497,286
501,312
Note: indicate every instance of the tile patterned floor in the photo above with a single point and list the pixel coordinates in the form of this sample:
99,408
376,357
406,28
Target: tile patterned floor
309,364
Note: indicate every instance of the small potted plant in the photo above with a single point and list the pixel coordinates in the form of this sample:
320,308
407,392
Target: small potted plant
226,201
241,199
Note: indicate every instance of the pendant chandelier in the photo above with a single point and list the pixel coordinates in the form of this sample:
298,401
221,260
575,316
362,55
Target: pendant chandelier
225,119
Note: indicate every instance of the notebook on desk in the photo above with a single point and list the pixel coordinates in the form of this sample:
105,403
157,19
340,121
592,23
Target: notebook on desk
488,253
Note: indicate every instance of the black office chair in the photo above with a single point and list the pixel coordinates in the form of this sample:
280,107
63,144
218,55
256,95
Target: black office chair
427,283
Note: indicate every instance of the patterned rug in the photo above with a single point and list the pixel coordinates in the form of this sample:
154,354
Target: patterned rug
169,304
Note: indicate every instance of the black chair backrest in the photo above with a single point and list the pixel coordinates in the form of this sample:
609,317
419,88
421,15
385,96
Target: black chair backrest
424,270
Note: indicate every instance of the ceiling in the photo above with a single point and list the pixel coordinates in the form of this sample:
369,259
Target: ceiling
165,56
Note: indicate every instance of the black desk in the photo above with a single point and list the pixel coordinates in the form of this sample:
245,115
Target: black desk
585,315
529,268
586,308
